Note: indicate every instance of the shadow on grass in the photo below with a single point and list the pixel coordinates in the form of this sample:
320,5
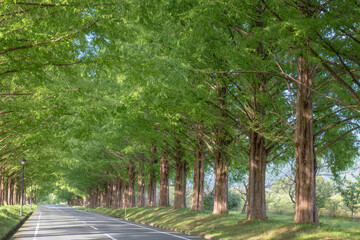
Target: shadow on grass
234,226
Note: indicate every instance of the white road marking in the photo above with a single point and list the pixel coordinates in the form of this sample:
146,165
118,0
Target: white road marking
37,227
170,234
83,222
110,237
94,227
139,226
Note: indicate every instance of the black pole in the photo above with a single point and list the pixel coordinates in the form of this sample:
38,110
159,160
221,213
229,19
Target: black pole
22,191
31,195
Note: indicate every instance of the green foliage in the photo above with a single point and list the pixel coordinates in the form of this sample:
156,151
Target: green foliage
351,194
103,83
324,191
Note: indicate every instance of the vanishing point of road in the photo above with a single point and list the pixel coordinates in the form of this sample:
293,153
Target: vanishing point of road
55,222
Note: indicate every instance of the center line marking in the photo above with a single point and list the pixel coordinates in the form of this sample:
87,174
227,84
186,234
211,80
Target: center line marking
94,227
110,237
37,227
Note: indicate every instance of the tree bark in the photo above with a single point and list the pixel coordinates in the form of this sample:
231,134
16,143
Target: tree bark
130,201
2,189
198,180
305,198
119,193
180,180
141,184
164,180
151,200
220,159
221,184
256,187
114,194
125,197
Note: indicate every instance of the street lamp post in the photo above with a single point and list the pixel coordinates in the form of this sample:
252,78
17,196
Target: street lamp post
23,161
31,195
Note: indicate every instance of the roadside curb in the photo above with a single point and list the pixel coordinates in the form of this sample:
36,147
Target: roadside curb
13,230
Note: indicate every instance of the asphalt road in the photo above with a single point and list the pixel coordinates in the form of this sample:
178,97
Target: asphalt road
55,222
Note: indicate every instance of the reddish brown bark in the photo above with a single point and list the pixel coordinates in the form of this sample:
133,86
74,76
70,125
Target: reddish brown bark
130,193
198,180
180,180
114,194
256,187
305,198
141,184
164,180
125,197
2,179
119,193
220,159
221,184
108,194
151,199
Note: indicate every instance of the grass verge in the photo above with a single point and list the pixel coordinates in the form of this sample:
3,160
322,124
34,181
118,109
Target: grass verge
235,226
10,216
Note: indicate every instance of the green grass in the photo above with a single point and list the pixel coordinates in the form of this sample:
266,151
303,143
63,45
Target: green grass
234,225
10,216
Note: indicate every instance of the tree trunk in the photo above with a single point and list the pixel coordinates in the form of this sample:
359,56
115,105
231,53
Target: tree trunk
114,194
109,194
220,159
151,200
141,185
130,201
119,193
125,197
245,206
198,180
6,192
180,180
221,184
305,199
256,187
164,180
1,189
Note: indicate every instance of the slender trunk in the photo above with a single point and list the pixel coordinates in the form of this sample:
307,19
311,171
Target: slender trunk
164,180
305,199
9,192
198,180
1,189
256,187
246,187
108,194
130,202
141,185
119,195
151,200
180,180
125,197
6,192
114,194
245,206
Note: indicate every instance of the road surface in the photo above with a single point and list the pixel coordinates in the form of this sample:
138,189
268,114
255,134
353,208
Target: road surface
55,222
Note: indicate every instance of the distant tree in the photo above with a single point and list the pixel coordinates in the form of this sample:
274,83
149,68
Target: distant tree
351,194
324,191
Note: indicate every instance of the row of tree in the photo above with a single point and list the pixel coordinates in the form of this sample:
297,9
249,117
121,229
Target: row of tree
163,89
